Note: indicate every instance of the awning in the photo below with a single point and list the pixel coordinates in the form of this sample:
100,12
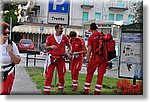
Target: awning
47,30
78,31
33,29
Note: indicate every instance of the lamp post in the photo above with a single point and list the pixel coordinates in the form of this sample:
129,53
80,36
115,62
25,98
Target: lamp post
10,27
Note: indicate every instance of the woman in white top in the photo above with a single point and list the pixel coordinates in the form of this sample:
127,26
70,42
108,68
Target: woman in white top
9,57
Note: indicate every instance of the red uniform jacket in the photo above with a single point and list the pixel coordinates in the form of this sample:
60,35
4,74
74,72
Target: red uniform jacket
77,44
93,41
60,47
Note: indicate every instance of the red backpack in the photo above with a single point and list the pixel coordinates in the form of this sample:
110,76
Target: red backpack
106,47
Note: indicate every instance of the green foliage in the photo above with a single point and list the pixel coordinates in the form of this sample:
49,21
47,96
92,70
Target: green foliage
138,7
12,14
109,84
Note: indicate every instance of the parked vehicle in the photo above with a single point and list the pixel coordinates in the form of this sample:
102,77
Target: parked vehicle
25,44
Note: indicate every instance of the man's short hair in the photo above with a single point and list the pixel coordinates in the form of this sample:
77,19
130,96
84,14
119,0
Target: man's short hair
93,26
57,26
72,34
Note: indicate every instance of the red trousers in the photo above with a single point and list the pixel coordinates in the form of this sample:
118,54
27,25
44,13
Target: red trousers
7,84
61,69
101,64
75,67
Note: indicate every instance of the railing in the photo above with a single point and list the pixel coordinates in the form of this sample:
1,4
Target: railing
116,4
34,56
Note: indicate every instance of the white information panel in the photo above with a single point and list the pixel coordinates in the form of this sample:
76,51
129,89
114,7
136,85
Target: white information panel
58,18
131,56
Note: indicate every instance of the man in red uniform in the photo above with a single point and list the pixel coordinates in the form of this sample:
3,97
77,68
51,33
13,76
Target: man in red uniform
78,49
56,44
94,61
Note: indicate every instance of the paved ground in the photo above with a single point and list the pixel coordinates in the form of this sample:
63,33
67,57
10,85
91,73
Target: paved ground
24,85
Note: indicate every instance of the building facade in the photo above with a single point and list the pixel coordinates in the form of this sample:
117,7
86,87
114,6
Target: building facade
79,12
85,10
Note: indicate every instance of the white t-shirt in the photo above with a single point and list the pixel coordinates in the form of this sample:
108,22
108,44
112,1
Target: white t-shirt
58,38
5,59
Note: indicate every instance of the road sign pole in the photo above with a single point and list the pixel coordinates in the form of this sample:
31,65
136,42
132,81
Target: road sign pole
41,37
41,31
10,27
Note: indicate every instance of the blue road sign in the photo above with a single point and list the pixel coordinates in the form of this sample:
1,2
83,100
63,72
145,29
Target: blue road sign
41,28
59,6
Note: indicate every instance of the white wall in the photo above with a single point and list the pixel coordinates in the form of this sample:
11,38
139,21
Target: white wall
76,11
43,15
99,6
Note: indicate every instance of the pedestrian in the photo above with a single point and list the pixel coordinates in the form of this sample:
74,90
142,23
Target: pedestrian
94,61
78,51
56,44
9,57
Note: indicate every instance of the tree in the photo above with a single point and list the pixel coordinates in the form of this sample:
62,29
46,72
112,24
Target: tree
11,7
9,14
139,12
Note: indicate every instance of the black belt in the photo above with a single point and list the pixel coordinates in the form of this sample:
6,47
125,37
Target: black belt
5,73
12,64
75,56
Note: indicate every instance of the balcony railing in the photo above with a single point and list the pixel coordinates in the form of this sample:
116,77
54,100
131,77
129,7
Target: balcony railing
87,5
118,6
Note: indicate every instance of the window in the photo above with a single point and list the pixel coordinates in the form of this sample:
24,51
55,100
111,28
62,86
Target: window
130,18
120,3
97,16
119,17
111,17
26,41
85,16
86,2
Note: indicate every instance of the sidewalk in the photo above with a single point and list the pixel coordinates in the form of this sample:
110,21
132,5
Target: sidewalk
23,85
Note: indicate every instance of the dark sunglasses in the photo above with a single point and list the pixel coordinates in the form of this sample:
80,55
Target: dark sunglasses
6,33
